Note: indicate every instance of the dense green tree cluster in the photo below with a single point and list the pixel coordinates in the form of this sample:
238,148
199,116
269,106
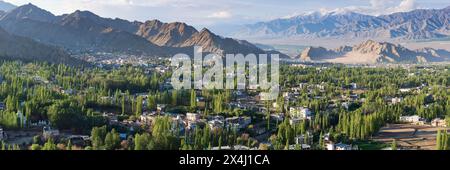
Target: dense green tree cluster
102,139
75,98
376,86
371,78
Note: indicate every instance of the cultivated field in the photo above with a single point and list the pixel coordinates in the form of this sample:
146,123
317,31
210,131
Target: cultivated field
411,137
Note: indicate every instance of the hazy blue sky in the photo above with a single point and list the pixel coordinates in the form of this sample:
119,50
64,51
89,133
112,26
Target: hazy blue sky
225,12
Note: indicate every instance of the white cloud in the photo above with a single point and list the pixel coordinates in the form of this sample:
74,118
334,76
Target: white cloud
210,12
221,15
380,7
144,3
149,3
406,5
375,8
383,7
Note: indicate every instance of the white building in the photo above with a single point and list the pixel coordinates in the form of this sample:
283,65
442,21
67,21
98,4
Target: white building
192,117
300,112
405,90
396,100
439,123
300,146
354,85
410,119
330,146
339,146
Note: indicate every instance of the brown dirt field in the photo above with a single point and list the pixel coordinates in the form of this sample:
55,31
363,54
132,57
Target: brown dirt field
410,137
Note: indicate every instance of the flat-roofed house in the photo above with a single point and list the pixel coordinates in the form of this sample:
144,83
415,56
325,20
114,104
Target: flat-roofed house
300,112
439,122
410,119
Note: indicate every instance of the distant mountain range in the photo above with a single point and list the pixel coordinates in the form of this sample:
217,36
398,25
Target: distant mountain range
413,25
5,6
19,48
84,31
179,34
40,35
372,52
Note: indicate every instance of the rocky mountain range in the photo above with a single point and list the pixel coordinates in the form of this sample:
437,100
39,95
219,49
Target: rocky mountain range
25,49
5,6
372,52
413,25
182,35
83,31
